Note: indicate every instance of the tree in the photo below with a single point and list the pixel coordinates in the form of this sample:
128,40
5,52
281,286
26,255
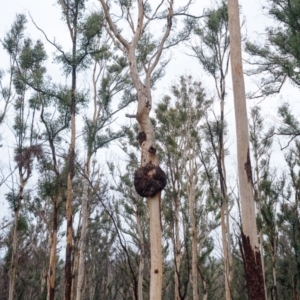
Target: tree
278,58
251,252
212,51
27,145
143,54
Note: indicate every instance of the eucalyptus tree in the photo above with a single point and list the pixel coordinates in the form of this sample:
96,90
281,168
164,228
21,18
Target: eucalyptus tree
180,137
289,233
144,53
82,31
212,51
13,40
261,143
134,213
251,252
109,78
27,145
276,57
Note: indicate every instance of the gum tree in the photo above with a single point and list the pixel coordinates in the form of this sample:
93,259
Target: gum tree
251,252
144,54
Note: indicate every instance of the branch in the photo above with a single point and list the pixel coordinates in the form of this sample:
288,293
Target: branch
161,46
112,26
130,116
47,39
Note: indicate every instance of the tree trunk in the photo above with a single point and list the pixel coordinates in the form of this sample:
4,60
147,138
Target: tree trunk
260,216
156,254
194,232
69,213
83,234
13,263
142,257
225,225
252,257
177,248
14,260
52,261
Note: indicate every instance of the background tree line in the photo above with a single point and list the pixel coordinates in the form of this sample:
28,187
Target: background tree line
160,218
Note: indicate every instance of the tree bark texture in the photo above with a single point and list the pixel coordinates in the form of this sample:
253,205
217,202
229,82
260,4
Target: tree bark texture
252,257
53,246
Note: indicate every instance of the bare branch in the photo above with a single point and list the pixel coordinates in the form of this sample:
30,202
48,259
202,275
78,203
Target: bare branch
130,116
52,43
161,46
112,26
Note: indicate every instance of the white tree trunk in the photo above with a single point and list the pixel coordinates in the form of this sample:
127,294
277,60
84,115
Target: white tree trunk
253,267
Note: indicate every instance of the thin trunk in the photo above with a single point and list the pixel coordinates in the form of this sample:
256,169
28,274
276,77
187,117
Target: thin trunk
13,263
177,249
191,198
52,261
274,289
142,257
252,262
75,265
14,259
260,216
83,234
226,238
68,263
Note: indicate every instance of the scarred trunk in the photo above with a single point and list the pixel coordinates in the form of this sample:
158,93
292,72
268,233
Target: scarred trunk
251,253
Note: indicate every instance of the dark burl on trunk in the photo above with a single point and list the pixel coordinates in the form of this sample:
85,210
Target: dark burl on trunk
149,180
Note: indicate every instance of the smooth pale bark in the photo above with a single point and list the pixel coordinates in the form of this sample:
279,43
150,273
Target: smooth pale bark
143,89
252,258
156,252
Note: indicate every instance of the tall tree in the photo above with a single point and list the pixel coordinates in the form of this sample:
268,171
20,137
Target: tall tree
212,50
109,77
251,252
143,54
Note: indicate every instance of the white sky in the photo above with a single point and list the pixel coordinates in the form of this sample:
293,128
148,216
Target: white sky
47,16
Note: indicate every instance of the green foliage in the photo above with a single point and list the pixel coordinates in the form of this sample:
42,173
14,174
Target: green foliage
278,57
213,48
